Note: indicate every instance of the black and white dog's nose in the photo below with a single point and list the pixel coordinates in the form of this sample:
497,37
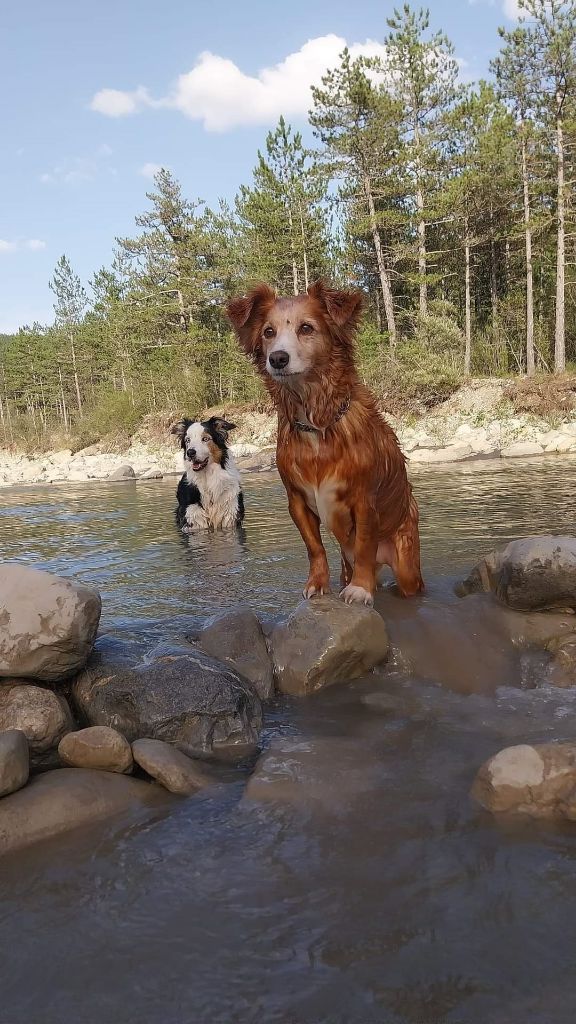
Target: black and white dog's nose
191,453
279,359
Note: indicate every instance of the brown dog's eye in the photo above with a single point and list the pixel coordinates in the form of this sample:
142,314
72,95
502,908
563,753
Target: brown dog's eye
306,329
268,332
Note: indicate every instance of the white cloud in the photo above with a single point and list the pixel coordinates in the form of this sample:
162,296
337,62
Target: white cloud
34,244
115,103
150,170
77,169
218,93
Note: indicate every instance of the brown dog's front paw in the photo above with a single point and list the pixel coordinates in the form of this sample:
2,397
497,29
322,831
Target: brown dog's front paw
316,586
353,594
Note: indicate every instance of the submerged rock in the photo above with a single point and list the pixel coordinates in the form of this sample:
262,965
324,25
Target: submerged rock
43,716
536,780
562,671
123,473
96,747
170,767
14,761
324,641
68,798
521,449
236,637
47,624
172,693
533,574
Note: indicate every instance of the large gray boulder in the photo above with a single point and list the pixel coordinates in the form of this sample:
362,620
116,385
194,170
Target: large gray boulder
539,781
236,637
324,641
125,472
96,747
173,693
14,761
170,767
43,716
68,798
533,574
47,624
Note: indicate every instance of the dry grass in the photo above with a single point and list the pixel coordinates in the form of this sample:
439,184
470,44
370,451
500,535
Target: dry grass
545,397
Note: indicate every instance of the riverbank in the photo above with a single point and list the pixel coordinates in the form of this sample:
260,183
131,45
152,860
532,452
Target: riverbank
477,422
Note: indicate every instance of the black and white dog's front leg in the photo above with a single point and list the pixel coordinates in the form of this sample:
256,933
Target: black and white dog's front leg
194,519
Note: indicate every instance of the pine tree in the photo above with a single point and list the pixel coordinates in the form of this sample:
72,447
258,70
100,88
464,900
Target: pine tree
70,304
423,74
356,122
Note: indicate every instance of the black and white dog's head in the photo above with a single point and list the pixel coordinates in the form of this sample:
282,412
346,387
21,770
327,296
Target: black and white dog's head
204,442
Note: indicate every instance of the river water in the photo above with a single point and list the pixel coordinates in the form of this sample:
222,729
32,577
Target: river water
368,888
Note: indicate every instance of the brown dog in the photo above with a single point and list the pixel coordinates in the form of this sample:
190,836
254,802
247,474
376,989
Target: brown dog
339,460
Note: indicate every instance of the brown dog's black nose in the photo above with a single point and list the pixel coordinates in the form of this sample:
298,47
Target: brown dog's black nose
279,359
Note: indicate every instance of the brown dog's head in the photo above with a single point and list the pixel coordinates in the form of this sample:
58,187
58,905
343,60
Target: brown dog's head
293,337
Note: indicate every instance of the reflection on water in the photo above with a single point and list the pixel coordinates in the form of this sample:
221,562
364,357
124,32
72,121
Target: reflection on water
378,893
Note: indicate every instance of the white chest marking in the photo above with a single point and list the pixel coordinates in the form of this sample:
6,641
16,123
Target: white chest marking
219,489
322,500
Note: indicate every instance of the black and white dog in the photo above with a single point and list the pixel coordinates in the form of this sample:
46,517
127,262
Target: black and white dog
209,494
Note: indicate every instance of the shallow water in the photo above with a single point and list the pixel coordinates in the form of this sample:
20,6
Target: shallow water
370,889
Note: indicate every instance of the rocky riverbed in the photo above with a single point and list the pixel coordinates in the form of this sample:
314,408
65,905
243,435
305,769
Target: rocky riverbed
475,423
92,727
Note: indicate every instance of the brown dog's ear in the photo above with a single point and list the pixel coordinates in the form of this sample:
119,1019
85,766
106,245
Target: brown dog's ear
343,307
241,310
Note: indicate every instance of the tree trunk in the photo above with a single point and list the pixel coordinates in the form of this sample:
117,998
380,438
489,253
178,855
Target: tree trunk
468,317
422,253
76,381
304,253
493,273
530,360
64,411
559,335
294,266
383,274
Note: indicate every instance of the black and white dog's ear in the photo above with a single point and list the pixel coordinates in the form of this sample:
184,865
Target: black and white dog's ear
180,428
221,425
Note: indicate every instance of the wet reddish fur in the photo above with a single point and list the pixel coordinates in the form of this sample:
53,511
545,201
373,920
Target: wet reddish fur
375,505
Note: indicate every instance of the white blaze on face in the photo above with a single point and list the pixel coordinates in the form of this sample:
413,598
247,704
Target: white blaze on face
195,449
299,355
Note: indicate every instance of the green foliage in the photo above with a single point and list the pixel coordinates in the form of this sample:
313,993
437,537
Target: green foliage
452,208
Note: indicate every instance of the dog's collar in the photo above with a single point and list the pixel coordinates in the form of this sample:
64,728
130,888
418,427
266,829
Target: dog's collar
306,428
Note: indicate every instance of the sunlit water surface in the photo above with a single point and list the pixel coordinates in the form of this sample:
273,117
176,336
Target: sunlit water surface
384,894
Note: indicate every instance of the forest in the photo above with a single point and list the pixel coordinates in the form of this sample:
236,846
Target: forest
450,204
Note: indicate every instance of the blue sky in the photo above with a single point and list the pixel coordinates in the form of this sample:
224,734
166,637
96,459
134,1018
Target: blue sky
95,95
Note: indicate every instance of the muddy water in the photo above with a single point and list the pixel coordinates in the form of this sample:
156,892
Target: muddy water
366,887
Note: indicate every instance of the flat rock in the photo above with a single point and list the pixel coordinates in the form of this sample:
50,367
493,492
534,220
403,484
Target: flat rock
451,453
236,637
520,449
536,780
96,747
68,798
43,716
173,693
152,474
123,473
324,641
533,574
47,624
14,761
170,767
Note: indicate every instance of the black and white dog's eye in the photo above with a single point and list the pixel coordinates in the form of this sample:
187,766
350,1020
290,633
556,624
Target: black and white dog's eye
206,438
268,332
